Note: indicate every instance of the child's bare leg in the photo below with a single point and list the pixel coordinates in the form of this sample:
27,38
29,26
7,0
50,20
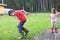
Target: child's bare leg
55,28
52,29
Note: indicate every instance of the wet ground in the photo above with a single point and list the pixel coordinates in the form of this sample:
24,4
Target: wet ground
47,35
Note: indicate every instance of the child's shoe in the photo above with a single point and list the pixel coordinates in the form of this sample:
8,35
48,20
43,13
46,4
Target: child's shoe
52,30
26,32
56,30
21,35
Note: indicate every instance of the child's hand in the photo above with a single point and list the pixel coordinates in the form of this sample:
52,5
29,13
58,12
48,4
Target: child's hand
57,13
27,13
15,17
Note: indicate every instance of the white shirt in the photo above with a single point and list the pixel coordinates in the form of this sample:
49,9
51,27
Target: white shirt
53,17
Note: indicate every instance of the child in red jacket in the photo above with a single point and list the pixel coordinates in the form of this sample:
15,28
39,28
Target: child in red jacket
22,18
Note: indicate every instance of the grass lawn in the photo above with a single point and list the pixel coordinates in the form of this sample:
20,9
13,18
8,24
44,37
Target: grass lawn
36,23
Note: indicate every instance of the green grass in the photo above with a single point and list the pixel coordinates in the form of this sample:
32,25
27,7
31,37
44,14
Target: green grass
58,21
36,23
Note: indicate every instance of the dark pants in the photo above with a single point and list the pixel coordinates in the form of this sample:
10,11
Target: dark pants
20,26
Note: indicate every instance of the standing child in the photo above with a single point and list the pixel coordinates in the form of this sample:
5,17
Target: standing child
53,20
22,18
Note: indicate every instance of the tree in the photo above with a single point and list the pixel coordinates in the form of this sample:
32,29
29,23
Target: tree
33,5
56,4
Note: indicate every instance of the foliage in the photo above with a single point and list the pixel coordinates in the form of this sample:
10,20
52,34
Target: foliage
33,5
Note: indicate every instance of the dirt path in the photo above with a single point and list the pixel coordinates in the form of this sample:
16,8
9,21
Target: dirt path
47,35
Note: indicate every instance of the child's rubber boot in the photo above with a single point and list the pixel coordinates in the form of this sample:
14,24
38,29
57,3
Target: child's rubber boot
25,30
21,35
56,30
52,30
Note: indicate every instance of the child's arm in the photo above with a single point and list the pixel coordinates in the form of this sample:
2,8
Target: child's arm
27,13
57,12
15,17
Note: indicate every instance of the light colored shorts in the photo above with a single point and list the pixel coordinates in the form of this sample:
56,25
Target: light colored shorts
53,23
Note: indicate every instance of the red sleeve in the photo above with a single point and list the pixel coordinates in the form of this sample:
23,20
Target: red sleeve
16,13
